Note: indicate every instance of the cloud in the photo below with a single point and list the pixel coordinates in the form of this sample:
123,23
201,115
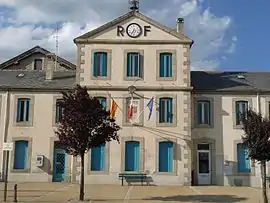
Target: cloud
26,23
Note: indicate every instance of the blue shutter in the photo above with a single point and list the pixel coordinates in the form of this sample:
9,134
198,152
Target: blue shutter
169,67
137,156
136,58
162,65
206,112
98,158
165,157
165,67
129,64
21,154
95,60
19,106
132,156
242,159
237,112
104,64
162,106
169,110
27,109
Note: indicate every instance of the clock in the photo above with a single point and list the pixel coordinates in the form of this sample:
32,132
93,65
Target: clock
134,30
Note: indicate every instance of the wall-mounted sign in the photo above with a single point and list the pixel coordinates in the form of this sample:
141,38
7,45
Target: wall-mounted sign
133,30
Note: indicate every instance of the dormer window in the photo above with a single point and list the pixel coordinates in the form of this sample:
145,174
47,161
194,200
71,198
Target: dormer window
38,64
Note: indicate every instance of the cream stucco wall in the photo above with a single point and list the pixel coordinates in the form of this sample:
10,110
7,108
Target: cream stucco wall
39,133
225,136
149,132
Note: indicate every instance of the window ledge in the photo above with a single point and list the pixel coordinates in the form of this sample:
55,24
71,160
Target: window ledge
132,78
244,174
166,125
166,173
23,124
165,79
20,170
203,126
100,77
104,172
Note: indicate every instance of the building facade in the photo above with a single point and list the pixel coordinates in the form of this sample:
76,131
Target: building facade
193,135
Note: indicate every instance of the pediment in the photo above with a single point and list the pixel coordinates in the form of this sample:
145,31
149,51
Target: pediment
121,29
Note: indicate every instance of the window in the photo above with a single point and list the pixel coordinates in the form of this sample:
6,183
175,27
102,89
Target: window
21,155
165,110
242,159
103,102
132,156
165,63
134,65
58,111
23,110
38,64
98,158
100,64
241,108
203,112
165,156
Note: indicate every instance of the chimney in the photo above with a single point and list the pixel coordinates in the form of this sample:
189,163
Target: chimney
180,25
50,66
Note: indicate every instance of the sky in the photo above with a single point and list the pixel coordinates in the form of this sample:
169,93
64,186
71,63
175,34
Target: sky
228,34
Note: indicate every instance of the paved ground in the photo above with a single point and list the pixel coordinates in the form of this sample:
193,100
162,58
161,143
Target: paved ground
64,193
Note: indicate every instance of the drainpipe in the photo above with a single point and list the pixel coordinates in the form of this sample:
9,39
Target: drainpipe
5,130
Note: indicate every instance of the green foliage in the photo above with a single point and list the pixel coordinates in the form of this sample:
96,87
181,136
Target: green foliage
84,124
257,135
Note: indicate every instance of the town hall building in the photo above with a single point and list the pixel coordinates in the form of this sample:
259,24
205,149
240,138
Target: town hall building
190,134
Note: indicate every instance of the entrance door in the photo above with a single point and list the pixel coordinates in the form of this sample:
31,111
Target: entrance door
59,165
204,163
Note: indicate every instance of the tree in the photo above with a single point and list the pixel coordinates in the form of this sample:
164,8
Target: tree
84,125
256,139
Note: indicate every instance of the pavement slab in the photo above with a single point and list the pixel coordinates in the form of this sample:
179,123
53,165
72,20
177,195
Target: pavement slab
69,193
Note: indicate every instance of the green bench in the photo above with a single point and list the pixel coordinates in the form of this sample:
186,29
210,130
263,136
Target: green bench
133,177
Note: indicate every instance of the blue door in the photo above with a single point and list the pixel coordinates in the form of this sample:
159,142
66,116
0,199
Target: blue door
132,156
59,165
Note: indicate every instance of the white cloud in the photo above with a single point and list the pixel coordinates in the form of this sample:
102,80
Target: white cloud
28,23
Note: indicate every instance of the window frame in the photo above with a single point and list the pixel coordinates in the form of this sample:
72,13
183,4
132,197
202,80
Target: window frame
28,168
174,110
141,140
35,64
234,100
109,64
174,65
195,112
126,98
175,154
106,161
31,110
132,78
248,171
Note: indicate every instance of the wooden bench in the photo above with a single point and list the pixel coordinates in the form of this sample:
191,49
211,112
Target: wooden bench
133,177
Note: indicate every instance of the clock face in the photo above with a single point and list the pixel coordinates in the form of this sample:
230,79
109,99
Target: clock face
134,30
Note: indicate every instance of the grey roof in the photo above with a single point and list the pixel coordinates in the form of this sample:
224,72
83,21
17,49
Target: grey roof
127,16
36,80
202,81
36,49
230,81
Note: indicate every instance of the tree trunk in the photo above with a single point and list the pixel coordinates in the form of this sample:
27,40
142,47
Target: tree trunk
263,175
82,178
